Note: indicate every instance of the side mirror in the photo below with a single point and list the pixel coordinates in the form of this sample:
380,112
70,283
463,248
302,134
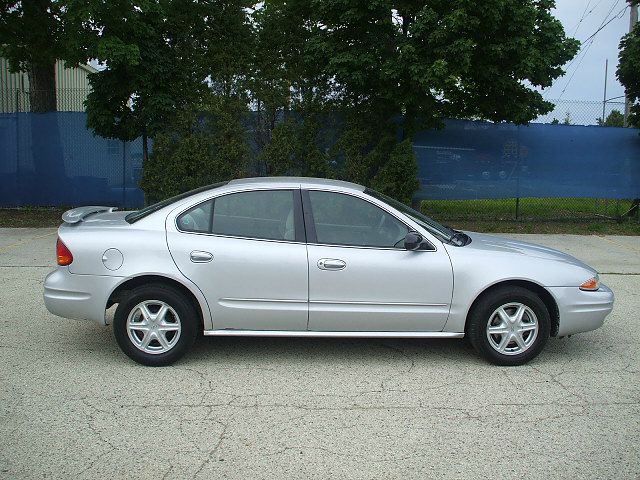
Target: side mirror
412,241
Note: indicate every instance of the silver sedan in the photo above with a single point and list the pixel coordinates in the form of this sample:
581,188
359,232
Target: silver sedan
301,257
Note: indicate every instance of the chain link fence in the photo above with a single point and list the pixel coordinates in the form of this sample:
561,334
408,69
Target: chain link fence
583,112
566,112
63,100
507,208
534,209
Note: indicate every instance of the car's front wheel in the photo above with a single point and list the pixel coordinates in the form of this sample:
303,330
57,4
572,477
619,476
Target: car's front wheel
509,326
155,325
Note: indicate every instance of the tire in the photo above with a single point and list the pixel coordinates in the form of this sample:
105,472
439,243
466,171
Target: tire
519,323
157,341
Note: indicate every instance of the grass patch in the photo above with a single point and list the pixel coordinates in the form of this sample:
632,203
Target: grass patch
578,228
528,209
31,217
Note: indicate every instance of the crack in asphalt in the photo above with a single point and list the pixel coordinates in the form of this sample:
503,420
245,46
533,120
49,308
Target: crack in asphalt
213,451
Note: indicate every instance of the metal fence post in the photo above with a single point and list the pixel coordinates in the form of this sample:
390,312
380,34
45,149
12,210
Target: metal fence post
18,189
124,173
518,172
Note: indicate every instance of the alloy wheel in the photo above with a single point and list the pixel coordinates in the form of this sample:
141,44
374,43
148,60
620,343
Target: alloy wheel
512,328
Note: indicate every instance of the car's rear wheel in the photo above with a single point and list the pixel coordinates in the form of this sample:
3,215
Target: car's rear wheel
155,325
509,325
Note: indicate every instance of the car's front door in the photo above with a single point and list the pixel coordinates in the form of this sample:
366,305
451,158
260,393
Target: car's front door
247,254
360,276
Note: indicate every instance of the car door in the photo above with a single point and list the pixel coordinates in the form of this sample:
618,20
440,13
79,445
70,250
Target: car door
246,251
360,276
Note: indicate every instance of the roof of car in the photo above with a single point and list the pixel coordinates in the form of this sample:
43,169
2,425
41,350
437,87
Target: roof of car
303,181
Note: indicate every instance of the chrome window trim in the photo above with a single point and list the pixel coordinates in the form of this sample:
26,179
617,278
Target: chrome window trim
385,208
243,238
394,215
395,249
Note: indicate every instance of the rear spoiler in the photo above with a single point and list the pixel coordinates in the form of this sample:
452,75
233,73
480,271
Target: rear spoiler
78,214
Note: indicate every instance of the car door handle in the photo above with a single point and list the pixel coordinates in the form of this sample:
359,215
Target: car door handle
198,256
331,264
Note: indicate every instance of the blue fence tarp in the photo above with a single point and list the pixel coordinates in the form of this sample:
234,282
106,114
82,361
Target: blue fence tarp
53,159
476,160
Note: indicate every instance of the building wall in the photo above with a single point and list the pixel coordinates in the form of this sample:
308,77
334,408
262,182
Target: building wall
72,88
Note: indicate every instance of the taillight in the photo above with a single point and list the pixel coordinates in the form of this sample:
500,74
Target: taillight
63,253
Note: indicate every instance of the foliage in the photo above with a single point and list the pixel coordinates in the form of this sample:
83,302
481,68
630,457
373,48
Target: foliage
294,149
31,38
431,60
614,119
628,71
278,156
298,63
152,53
374,62
398,176
198,150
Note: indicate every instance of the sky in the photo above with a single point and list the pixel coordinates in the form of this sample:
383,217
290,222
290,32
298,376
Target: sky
588,66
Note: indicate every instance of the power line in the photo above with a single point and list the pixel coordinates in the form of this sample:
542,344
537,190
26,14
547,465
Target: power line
587,42
582,43
584,16
584,54
617,15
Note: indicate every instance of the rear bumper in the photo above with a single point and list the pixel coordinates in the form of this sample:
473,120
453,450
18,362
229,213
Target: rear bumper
582,311
82,297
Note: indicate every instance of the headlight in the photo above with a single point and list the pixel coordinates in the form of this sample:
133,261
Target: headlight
591,285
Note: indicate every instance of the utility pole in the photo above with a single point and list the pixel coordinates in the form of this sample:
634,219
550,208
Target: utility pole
633,18
604,98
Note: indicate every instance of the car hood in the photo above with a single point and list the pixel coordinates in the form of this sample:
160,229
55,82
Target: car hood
491,243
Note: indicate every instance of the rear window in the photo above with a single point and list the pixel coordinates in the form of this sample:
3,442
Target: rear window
257,214
140,214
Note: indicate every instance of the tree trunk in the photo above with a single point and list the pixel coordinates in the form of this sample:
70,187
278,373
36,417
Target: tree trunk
50,183
42,88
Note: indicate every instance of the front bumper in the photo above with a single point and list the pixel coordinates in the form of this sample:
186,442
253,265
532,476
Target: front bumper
582,311
82,297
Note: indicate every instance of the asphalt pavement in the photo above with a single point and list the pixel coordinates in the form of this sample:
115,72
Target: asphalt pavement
73,406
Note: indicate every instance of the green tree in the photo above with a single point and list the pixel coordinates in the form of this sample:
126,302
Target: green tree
279,155
198,149
153,53
628,71
398,176
286,74
426,61
614,119
432,60
32,39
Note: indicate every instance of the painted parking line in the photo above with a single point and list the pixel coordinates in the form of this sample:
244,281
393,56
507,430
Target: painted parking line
618,243
25,241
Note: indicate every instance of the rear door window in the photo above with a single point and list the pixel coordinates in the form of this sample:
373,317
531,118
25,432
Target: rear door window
261,214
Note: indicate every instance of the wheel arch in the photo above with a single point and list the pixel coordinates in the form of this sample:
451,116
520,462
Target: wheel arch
199,304
543,293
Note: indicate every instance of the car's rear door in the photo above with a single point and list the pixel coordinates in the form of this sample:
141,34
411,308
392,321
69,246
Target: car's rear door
360,276
246,251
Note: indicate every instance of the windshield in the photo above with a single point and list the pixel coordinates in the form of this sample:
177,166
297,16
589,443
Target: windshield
140,214
428,223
